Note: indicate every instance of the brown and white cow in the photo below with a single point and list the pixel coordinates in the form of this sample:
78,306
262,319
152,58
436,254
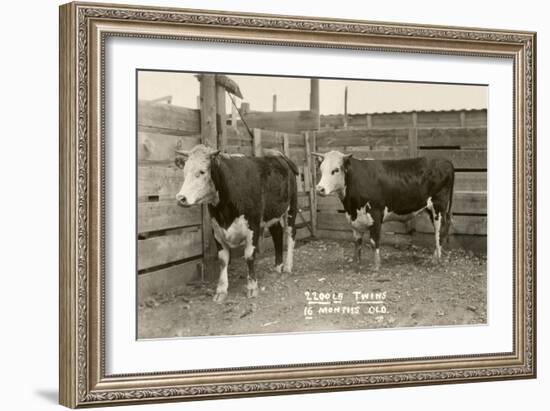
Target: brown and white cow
244,195
376,191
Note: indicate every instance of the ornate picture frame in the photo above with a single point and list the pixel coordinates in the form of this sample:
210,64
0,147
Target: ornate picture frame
84,29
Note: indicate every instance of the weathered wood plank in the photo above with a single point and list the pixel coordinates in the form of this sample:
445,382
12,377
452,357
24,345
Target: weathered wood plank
461,159
287,121
175,245
163,182
272,139
451,118
162,215
298,155
329,203
366,153
471,181
470,137
161,147
391,120
362,137
168,116
240,135
470,202
476,118
165,280
438,119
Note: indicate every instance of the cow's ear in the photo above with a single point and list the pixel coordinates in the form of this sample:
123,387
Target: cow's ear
319,157
180,162
346,160
181,158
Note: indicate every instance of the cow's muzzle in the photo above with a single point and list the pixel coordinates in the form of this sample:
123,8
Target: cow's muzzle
182,201
321,190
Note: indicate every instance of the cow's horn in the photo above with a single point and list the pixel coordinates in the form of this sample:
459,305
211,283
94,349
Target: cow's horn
182,152
318,155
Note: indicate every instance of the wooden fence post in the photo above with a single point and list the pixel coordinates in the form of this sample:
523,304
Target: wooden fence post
257,142
209,137
413,137
286,145
221,117
346,107
286,152
369,120
314,102
413,152
234,116
311,193
258,152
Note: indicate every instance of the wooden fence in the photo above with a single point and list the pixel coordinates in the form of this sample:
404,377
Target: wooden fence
465,146
169,240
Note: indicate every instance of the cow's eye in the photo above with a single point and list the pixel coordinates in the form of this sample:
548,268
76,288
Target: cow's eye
202,172
335,171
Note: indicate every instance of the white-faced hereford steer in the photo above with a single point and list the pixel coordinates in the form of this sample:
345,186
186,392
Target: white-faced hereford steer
244,195
376,191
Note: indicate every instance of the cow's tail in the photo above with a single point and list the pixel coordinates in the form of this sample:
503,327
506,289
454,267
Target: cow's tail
291,165
278,154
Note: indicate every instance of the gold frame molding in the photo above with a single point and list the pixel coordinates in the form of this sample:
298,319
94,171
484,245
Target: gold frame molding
84,27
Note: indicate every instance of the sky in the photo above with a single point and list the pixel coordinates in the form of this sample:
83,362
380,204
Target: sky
364,96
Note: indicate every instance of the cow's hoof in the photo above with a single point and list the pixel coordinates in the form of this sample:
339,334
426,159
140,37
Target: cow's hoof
287,269
252,292
279,268
436,261
220,297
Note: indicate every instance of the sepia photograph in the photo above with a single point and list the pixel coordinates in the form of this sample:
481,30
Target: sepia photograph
273,204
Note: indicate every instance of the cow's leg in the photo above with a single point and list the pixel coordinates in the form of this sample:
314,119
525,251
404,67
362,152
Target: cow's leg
221,289
436,210
251,245
276,231
437,234
290,241
291,225
375,234
358,237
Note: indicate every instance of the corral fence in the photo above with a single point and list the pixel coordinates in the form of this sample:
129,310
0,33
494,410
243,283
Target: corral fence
171,240
174,244
460,136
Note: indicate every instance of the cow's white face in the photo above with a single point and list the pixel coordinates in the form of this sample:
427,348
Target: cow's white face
197,187
332,173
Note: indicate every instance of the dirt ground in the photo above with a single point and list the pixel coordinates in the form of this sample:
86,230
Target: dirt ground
326,293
